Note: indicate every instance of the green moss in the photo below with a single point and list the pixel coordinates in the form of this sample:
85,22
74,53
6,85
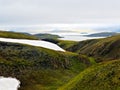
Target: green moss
92,60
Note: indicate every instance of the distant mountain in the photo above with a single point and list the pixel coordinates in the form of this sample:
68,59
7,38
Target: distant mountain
46,36
83,33
102,34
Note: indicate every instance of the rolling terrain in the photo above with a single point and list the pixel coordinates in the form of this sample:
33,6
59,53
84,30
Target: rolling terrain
105,56
102,49
86,65
103,76
39,68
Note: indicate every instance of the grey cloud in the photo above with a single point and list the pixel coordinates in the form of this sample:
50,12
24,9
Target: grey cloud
59,11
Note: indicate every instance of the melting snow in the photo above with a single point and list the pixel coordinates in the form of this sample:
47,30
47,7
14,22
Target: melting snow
12,83
39,43
9,83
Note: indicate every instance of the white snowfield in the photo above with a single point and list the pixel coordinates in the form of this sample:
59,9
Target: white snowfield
38,43
12,83
9,83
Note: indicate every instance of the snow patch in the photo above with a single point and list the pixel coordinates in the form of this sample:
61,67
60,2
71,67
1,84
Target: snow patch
39,43
9,83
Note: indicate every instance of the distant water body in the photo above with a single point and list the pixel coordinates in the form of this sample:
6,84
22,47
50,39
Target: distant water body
75,36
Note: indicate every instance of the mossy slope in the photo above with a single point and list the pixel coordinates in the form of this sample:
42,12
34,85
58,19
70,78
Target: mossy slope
103,76
102,49
39,68
15,35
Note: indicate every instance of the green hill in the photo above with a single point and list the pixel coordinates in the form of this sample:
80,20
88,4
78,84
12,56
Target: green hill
81,67
102,49
39,68
15,35
103,76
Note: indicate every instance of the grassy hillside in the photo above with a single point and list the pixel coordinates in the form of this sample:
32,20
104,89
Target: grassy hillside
66,44
103,76
39,68
7,34
102,49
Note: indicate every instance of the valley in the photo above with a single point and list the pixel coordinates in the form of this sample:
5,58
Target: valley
73,65
59,44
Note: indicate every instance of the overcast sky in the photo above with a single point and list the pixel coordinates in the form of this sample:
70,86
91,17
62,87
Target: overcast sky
44,12
59,11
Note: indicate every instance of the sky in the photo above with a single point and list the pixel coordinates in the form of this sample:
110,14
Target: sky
43,12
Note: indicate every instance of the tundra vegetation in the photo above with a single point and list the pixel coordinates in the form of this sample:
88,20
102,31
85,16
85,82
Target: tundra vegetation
86,65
